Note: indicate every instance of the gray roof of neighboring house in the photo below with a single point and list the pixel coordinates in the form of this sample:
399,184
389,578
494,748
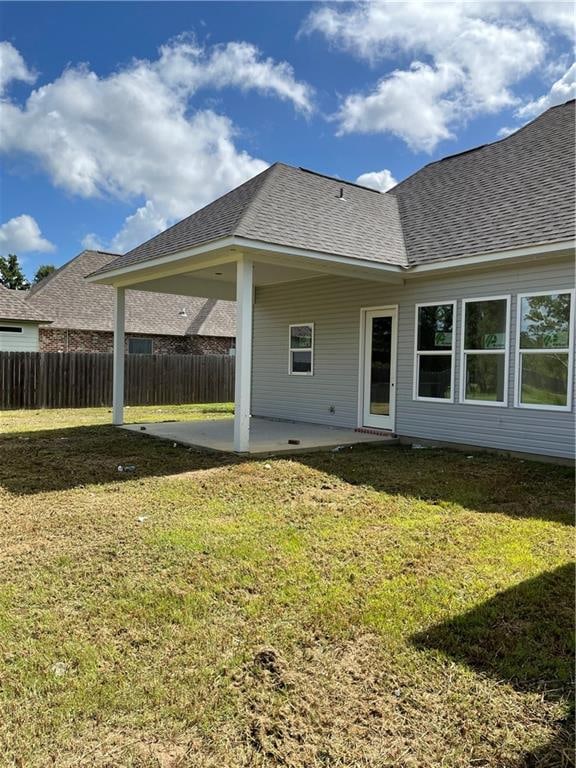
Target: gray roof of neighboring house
517,191
14,307
74,303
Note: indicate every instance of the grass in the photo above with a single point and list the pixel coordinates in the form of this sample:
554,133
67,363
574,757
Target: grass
372,607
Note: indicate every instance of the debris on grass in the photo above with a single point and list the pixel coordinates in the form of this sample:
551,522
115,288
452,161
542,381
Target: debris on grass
59,669
126,467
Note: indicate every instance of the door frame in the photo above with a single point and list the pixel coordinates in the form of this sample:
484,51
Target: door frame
365,312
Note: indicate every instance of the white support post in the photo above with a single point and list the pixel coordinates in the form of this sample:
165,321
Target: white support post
118,376
243,380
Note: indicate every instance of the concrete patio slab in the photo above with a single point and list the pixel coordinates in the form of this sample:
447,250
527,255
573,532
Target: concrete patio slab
266,435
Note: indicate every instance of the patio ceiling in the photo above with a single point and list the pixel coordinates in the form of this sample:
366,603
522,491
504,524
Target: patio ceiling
210,271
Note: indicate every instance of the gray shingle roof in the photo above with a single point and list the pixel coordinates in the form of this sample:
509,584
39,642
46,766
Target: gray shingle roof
72,302
293,207
14,307
514,192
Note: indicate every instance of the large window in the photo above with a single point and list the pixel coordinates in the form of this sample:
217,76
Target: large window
301,340
434,352
140,346
544,350
484,370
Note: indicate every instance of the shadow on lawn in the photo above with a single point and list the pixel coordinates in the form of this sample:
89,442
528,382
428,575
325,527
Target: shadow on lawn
61,459
523,635
558,753
481,482
58,459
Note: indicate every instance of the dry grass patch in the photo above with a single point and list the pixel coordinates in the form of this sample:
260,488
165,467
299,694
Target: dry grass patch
371,607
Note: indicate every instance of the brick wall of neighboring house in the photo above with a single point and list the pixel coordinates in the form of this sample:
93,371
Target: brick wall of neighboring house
68,340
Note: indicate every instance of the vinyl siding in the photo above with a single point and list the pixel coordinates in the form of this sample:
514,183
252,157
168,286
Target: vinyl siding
27,341
334,305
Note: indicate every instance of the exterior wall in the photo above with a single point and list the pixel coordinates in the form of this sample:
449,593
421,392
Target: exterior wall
334,305
70,340
27,341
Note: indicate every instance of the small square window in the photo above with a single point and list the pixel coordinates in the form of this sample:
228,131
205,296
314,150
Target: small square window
301,341
140,346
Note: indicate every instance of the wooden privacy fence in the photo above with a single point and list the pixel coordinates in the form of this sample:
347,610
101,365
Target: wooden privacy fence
84,379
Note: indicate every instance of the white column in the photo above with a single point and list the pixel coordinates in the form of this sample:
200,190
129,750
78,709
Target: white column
118,377
243,382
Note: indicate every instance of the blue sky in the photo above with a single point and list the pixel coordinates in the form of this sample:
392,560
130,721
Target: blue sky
117,119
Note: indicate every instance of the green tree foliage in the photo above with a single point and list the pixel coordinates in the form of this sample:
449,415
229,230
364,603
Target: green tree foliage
43,271
11,274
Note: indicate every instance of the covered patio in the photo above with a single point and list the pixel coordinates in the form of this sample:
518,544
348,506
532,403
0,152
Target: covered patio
245,241
267,436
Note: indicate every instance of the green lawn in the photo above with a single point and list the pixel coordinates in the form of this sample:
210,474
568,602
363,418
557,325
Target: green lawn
373,607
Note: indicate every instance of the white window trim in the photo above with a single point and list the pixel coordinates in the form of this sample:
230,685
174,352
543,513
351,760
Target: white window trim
569,350
464,352
300,349
139,338
417,353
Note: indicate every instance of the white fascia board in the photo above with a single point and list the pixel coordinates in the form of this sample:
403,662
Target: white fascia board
156,265
393,270
166,265
527,252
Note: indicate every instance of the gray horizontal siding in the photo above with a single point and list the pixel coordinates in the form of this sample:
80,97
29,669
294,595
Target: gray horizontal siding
334,305
27,341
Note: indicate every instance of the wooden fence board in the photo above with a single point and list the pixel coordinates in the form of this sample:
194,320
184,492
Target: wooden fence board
84,379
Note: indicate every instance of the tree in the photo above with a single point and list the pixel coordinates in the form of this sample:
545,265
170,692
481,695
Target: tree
43,271
11,275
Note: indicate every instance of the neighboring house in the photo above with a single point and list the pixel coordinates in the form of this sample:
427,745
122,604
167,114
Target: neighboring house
442,310
156,323
18,322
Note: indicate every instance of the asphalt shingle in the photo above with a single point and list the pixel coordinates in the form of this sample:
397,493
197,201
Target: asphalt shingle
515,192
73,302
14,307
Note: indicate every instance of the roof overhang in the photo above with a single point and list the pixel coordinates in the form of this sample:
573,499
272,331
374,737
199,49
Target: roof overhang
226,250
494,258
190,268
29,320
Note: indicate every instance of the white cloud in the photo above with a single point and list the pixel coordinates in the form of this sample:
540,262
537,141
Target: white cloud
22,235
236,65
12,66
473,54
555,14
562,90
506,131
413,105
380,180
134,135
